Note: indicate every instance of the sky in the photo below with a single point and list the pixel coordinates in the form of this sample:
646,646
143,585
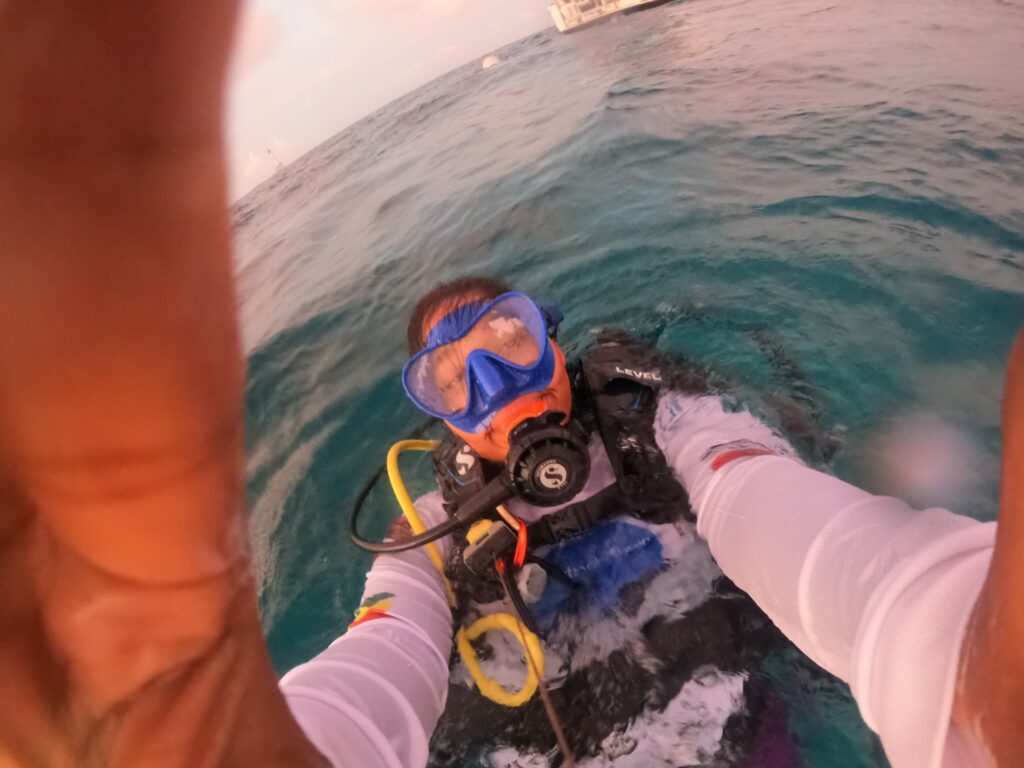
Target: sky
305,69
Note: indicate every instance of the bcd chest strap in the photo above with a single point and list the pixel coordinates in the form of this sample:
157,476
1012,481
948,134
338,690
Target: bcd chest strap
578,517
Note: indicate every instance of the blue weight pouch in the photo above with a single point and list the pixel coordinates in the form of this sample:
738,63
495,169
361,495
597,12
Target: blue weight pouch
595,566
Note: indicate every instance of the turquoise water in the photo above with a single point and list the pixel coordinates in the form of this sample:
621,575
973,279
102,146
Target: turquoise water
842,180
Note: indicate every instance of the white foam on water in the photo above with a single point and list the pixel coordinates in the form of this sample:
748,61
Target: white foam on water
265,515
509,757
683,584
687,732
692,723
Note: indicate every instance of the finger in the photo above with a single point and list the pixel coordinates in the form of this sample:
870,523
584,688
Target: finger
87,75
1012,497
990,690
1007,571
31,683
120,373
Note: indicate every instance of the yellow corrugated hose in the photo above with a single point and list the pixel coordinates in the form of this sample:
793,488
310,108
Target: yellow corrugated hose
530,643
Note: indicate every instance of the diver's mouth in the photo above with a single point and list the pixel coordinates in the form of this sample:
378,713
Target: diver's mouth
518,411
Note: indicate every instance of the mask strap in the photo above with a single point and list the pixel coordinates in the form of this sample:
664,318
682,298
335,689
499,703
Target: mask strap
454,324
553,318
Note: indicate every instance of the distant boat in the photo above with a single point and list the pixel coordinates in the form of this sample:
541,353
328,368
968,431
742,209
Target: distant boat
490,61
573,14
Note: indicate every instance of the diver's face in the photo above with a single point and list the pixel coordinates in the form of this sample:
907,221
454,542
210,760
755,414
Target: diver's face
504,336
492,443
513,343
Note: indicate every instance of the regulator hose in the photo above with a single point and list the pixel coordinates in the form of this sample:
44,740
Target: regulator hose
464,636
494,493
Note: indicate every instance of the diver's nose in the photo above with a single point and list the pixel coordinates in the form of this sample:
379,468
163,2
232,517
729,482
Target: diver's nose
489,378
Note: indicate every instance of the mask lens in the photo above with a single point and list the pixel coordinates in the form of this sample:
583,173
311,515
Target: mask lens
508,336
504,333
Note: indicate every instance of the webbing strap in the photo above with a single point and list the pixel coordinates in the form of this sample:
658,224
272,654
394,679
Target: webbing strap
578,517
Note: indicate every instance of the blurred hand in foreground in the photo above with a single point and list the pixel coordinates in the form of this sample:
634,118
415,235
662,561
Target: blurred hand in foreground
990,691
129,634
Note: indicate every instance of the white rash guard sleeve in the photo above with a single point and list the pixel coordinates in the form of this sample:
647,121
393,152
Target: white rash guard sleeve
374,696
876,592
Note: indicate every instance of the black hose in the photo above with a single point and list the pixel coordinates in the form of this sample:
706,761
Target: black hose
495,492
380,547
553,570
357,508
516,598
391,547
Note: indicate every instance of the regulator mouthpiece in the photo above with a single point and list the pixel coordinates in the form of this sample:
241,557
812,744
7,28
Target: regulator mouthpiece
548,463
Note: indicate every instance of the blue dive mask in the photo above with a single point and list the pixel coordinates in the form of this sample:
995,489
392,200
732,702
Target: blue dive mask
480,357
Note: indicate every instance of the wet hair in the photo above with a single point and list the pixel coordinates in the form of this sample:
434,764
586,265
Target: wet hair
446,297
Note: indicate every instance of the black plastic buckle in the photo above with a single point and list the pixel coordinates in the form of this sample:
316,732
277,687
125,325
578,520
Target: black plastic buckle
499,541
567,522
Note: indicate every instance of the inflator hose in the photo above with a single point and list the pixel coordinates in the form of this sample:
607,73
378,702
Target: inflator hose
494,493
390,547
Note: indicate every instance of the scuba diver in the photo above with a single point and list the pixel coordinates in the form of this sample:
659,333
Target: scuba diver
594,551
565,516
569,520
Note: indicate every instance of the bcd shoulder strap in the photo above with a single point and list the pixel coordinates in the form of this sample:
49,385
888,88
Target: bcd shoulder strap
621,379
460,471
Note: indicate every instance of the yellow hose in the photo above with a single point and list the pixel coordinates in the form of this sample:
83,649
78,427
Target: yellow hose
488,686
404,500
464,637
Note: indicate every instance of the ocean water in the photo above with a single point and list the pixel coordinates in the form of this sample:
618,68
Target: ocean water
839,181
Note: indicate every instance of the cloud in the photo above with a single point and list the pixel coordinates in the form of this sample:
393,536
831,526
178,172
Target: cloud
259,37
411,70
340,11
443,7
